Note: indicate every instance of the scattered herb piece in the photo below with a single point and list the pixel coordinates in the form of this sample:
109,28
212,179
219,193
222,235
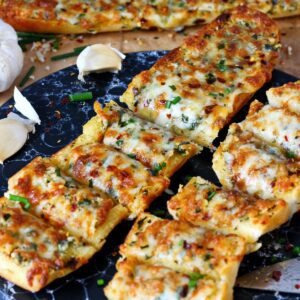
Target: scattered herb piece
131,155
210,195
172,87
57,172
194,278
24,201
296,250
85,202
27,76
119,143
181,243
158,167
221,45
290,154
81,96
75,52
221,65
91,183
173,102
210,78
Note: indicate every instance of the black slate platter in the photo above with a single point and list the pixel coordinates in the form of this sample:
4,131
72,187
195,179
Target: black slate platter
62,122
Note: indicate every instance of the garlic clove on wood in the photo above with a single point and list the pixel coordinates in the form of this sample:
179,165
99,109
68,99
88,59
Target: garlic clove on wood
13,137
99,58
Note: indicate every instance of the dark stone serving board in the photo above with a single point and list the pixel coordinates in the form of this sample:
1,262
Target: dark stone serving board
49,95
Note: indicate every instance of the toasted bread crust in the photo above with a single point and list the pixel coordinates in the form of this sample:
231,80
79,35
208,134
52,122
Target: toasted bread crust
77,17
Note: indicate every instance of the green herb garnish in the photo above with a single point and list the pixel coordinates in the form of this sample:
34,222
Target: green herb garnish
57,172
172,87
194,278
158,167
24,201
221,65
210,78
173,102
119,143
290,154
27,76
81,96
85,202
296,250
91,183
210,195
75,52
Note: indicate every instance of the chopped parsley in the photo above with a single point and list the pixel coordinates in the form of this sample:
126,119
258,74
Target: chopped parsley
221,65
85,202
194,278
131,155
172,87
210,78
290,154
57,172
119,143
158,167
125,123
91,183
184,118
24,201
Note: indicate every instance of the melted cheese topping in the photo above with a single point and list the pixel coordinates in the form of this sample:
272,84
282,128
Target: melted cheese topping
182,247
37,247
152,145
120,176
136,280
278,127
60,199
242,162
201,203
286,96
194,90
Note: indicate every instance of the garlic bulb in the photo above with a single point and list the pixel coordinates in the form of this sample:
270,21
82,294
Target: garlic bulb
11,56
99,58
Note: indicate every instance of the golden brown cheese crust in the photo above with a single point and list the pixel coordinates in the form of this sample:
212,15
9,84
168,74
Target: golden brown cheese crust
136,280
122,177
72,16
84,212
32,252
243,162
286,96
155,147
195,89
184,248
201,203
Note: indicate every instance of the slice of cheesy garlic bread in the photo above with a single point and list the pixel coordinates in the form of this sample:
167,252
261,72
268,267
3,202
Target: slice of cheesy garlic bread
152,145
276,126
65,203
244,163
120,176
32,252
197,88
286,96
184,248
136,280
202,203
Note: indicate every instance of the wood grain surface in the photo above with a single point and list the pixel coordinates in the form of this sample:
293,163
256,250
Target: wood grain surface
150,40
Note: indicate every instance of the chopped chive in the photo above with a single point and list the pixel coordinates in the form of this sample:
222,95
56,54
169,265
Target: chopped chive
176,100
168,104
27,76
194,278
296,250
181,242
221,65
36,35
81,96
79,49
75,52
24,201
56,44
211,194
172,87
119,143
85,202
100,282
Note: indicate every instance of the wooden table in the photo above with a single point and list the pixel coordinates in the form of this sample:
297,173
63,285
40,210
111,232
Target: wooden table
153,40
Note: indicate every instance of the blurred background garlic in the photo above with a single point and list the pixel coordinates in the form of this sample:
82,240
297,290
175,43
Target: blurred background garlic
11,56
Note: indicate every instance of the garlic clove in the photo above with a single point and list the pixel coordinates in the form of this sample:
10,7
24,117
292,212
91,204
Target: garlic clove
13,137
99,58
29,124
24,107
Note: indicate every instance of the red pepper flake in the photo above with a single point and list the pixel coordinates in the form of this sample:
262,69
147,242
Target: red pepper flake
297,286
73,207
276,275
286,138
65,100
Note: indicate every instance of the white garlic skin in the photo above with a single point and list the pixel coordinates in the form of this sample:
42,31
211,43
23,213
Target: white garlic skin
11,56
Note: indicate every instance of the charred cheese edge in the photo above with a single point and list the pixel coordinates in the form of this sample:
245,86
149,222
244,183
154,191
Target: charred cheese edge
184,248
276,126
244,163
123,178
286,96
136,280
155,147
197,88
62,16
32,252
201,203
55,197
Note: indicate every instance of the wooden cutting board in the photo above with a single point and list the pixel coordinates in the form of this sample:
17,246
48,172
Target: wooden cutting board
151,40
